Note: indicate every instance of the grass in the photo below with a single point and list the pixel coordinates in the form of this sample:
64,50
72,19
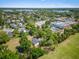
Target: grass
69,49
12,44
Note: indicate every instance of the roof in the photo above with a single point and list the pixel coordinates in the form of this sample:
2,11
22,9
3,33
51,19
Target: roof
59,24
40,23
8,21
9,31
35,40
20,25
13,25
23,30
54,29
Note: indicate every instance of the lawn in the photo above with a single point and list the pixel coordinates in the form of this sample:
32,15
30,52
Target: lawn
69,49
12,44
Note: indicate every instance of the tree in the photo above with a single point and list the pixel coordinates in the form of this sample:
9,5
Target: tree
41,33
49,38
59,37
75,14
25,44
3,37
36,53
7,54
23,35
1,22
33,31
75,27
15,33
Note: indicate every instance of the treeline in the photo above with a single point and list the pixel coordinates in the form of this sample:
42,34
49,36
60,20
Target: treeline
67,32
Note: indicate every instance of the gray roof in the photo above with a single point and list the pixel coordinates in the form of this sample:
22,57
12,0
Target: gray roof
13,25
9,31
23,30
54,29
59,24
20,25
35,40
8,21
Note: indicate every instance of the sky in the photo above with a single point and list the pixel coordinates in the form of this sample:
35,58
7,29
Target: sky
39,3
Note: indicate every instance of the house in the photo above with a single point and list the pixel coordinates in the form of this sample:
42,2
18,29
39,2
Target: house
23,30
17,21
36,41
39,23
13,21
13,25
20,25
54,29
69,21
60,25
8,21
58,19
22,20
8,31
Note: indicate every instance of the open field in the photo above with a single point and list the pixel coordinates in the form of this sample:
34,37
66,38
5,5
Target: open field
69,49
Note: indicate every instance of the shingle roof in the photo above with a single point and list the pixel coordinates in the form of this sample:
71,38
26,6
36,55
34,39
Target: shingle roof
35,40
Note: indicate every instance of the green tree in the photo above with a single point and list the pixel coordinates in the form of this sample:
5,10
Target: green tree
16,33
1,22
7,54
49,38
3,37
75,27
23,35
25,44
33,31
36,53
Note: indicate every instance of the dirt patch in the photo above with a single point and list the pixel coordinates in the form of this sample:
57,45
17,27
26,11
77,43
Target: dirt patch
12,44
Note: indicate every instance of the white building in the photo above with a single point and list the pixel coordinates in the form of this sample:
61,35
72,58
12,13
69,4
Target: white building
39,23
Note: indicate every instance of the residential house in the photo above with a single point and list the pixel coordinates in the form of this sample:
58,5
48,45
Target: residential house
36,41
23,30
39,23
9,31
13,25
